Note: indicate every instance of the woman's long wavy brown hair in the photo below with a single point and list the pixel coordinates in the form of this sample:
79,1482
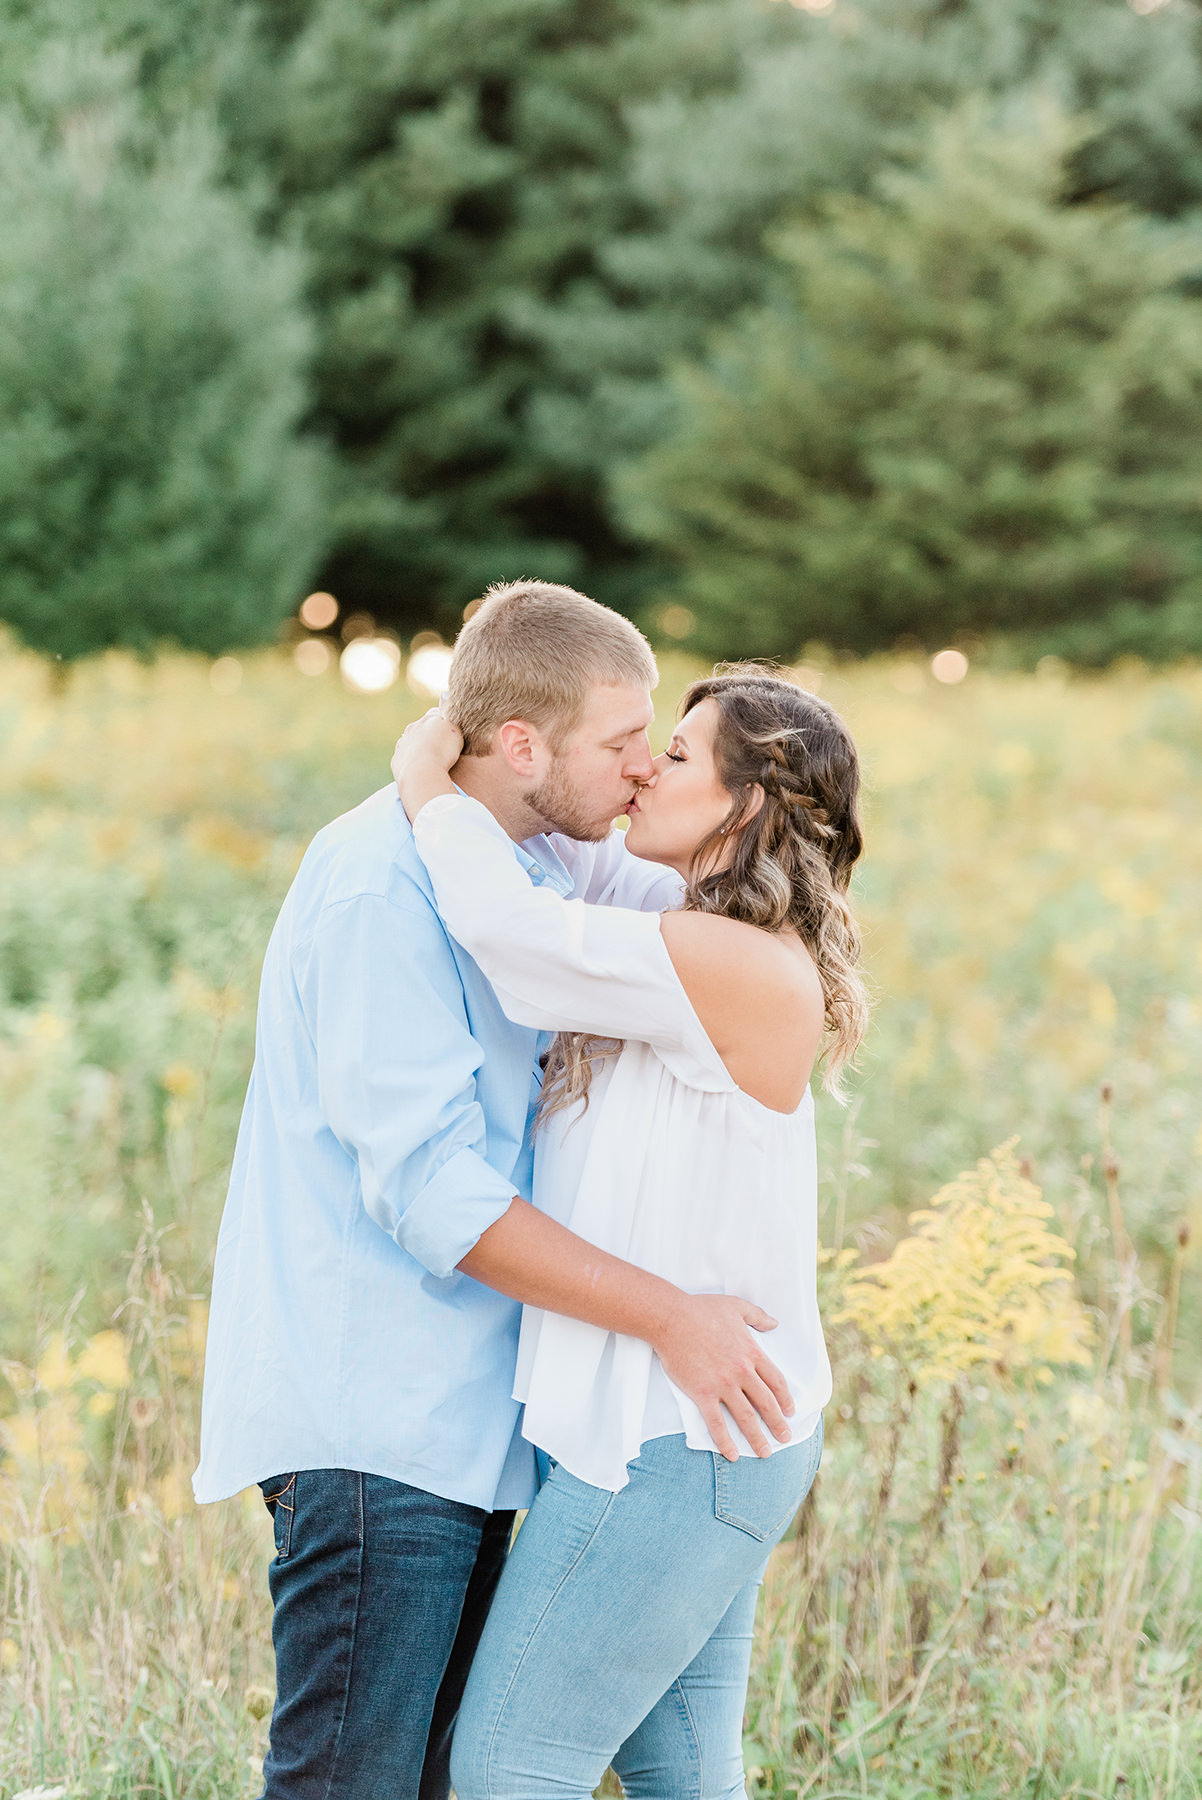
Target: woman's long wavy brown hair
791,860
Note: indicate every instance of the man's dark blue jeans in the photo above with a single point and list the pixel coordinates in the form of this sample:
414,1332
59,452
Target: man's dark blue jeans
381,1592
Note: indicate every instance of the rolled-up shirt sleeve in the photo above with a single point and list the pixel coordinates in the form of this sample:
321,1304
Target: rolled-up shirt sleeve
396,1065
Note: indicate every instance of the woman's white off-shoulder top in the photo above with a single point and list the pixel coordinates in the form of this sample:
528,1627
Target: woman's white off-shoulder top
671,1165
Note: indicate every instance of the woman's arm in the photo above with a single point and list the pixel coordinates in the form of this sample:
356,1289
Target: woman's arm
426,752
690,982
556,964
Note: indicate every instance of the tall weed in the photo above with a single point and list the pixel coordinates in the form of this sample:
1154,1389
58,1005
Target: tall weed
994,1587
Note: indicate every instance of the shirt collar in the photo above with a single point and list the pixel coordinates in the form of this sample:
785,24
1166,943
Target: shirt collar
545,867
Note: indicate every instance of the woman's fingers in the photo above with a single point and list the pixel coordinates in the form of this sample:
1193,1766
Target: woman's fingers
433,736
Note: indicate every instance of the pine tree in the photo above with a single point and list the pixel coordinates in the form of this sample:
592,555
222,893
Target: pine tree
797,106
457,169
983,409
521,212
518,214
152,369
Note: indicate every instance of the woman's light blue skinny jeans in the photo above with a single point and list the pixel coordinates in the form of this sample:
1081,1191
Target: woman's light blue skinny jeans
621,1630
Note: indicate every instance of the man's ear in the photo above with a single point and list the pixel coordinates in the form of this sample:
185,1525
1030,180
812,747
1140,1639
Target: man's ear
523,747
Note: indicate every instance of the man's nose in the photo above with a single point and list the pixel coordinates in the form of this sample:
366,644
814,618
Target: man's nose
640,766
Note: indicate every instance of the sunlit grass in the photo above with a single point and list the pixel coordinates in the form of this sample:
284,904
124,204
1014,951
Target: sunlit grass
995,1589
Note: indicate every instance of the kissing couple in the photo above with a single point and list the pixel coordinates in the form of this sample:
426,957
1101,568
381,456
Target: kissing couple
523,1215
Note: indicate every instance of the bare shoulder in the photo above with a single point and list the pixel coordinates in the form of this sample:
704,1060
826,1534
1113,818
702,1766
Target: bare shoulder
759,997
741,966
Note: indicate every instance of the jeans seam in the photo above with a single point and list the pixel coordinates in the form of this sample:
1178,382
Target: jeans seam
350,1661
517,1668
692,1724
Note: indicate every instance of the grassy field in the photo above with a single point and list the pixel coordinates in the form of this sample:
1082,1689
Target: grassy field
995,1589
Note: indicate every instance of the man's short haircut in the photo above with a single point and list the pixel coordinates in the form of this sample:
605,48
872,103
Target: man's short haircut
532,650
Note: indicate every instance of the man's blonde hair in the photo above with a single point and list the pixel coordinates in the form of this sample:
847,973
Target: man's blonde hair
533,650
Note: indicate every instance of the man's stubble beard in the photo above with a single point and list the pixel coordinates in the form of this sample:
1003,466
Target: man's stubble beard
562,808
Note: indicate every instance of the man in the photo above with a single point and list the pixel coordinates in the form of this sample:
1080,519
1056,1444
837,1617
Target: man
378,1234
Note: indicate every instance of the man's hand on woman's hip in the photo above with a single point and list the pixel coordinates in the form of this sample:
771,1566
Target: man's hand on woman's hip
709,1349
706,1342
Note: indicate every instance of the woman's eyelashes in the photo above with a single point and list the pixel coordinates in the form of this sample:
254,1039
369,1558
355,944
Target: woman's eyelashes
673,756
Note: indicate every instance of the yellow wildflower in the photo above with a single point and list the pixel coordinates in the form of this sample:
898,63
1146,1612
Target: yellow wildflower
981,1279
103,1359
55,1371
48,1028
174,1490
180,1080
46,1473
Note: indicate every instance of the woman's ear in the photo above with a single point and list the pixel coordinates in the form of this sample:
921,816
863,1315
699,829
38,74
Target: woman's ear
753,802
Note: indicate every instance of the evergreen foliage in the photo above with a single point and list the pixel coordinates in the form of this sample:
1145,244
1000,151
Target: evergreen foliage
788,108
983,409
457,168
520,212
516,216
152,374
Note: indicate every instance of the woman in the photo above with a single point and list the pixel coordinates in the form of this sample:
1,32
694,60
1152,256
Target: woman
676,1131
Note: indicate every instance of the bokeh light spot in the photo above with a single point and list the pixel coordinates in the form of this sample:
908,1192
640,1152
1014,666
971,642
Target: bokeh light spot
312,657
369,665
358,625
949,666
225,676
319,611
676,622
429,668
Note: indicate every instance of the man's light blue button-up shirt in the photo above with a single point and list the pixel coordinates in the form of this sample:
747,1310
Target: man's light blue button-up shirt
386,1127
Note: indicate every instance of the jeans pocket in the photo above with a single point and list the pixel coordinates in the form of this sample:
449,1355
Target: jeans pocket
279,1497
760,1494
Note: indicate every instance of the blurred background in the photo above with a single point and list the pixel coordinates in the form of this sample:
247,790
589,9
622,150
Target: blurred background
863,336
